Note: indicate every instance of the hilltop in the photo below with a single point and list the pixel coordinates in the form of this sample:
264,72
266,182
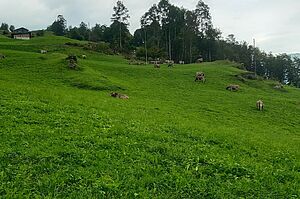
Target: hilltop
63,136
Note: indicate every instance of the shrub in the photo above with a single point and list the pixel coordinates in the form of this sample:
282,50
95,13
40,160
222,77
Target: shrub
40,33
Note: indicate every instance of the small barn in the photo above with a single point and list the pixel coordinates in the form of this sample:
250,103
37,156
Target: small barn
21,33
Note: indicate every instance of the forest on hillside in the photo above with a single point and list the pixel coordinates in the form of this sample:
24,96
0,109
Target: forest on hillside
168,32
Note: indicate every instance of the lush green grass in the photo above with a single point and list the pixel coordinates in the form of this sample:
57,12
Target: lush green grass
62,135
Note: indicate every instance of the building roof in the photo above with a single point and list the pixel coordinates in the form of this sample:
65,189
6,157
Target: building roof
21,31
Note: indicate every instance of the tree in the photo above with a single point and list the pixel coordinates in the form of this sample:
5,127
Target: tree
40,33
97,33
203,17
150,23
138,38
190,33
164,11
74,33
294,73
59,26
112,36
12,28
231,39
176,24
84,31
212,37
144,28
121,17
206,33
4,26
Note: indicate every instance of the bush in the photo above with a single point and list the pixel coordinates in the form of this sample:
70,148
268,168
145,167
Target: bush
73,44
40,33
5,32
101,47
250,76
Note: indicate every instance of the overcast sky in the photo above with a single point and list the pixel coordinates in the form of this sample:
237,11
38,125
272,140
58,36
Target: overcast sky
274,23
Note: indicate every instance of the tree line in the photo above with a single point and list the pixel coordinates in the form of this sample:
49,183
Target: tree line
168,32
6,29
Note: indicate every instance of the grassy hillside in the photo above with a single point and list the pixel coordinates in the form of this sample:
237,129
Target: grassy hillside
63,136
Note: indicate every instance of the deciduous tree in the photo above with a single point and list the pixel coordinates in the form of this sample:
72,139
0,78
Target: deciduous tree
120,16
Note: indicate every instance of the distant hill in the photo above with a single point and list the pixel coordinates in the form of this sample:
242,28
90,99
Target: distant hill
295,55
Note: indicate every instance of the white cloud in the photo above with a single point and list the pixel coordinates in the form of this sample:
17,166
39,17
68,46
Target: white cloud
273,23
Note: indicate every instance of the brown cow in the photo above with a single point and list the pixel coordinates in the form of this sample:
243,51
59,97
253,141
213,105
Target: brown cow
72,64
119,95
200,60
278,86
260,105
200,76
233,87
157,65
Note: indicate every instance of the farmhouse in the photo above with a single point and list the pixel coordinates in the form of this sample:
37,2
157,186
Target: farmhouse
21,33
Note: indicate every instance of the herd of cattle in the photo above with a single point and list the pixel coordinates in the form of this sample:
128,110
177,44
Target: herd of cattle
200,76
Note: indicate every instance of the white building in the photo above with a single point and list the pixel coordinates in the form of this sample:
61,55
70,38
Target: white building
21,33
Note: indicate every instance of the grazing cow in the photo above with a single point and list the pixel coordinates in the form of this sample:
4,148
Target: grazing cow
72,61
72,64
278,86
123,97
233,87
200,73
181,62
170,63
43,51
200,60
118,95
260,105
200,76
83,56
72,57
156,65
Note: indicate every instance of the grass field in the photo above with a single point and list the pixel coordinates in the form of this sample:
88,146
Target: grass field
63,136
